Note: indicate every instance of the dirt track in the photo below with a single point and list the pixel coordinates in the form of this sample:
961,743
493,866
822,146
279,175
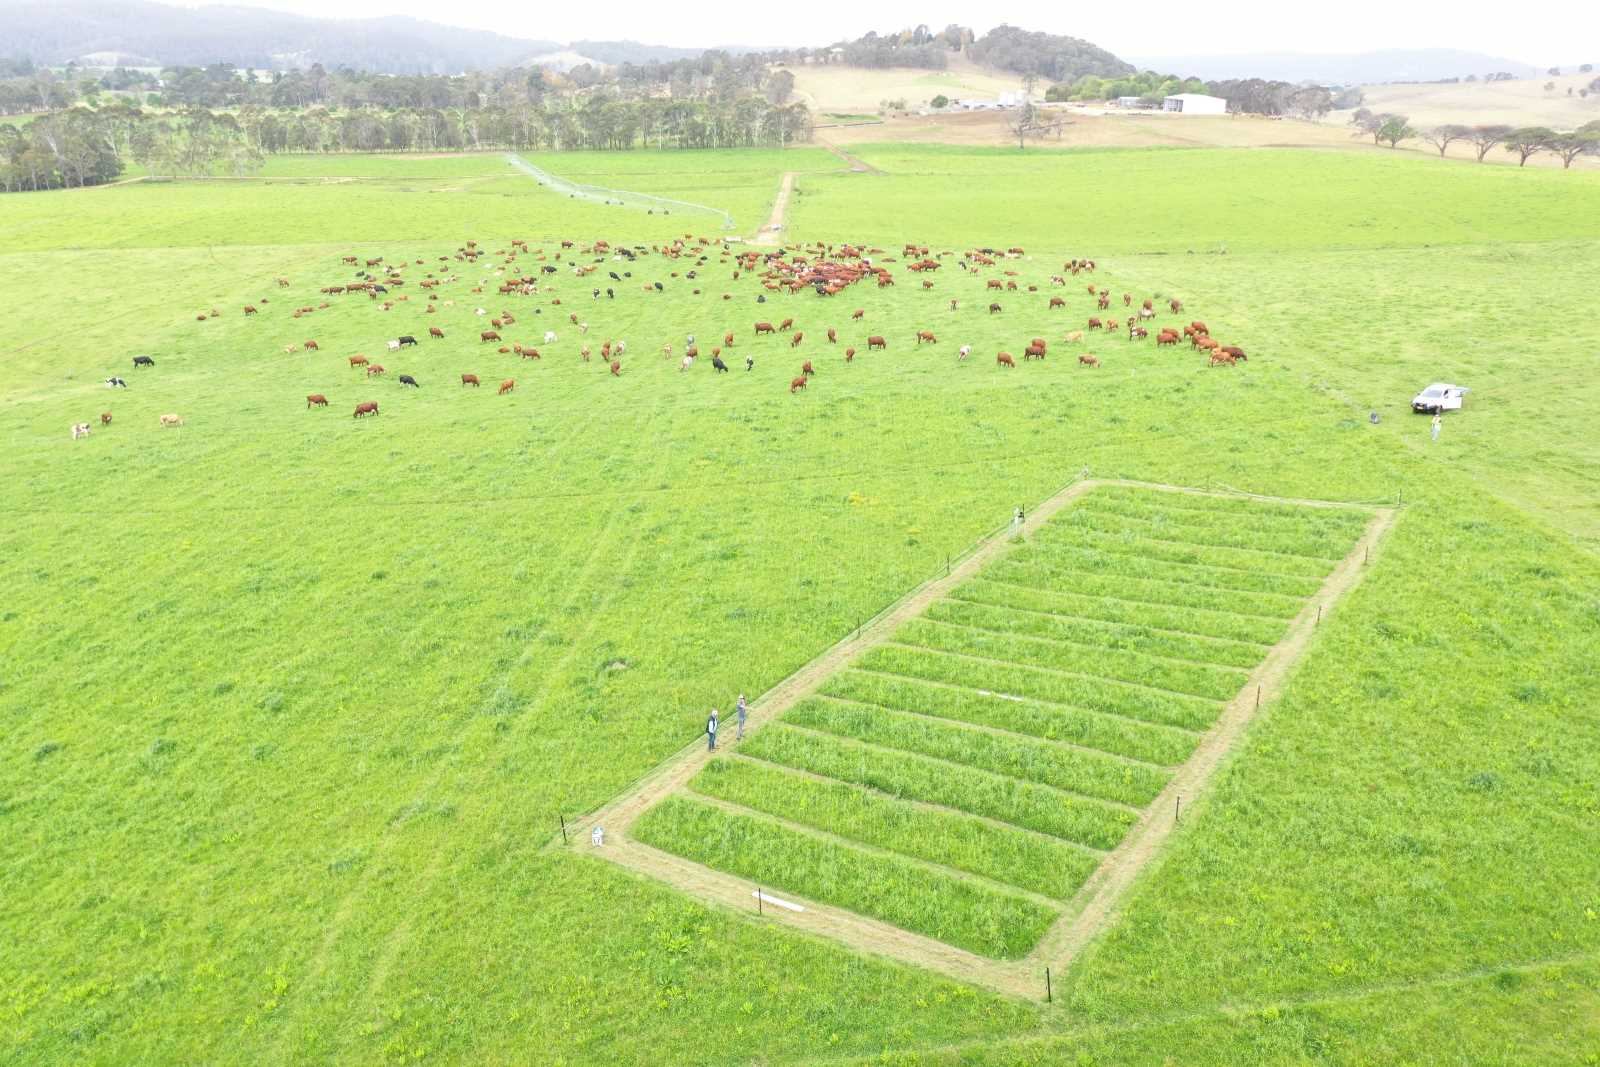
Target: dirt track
1097,905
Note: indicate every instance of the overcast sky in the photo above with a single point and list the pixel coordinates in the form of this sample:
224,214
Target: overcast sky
1541,32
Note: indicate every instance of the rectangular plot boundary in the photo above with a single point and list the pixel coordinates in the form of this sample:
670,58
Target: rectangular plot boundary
1097,903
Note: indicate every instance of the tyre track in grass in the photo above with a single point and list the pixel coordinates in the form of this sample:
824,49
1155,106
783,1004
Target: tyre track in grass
601,551
1097,905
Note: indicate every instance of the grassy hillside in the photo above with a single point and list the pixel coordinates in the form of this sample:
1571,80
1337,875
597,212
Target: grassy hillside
838,88
292,701
1516,103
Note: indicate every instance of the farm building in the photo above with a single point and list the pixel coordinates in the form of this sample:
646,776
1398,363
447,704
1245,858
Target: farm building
1195,104
1127,101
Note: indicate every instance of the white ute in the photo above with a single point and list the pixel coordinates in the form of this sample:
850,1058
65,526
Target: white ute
1438,397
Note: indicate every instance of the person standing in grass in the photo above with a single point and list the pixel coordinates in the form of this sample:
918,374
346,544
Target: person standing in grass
743,711
711,731
1438,421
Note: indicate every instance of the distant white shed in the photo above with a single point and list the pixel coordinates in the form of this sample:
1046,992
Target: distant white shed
1195,104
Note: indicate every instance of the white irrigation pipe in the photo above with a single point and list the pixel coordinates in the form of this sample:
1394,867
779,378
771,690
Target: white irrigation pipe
619,196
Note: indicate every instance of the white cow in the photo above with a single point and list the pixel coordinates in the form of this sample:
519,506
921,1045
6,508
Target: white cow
688,361
394,346
549,337
966,350
80,429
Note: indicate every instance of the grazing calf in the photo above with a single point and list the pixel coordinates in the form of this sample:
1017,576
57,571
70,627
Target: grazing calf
80,429
316,400
370,407
926,335
806,369
876,341
488,335
1095,324
849,355
529,353
786,324
833,336
1004,360
794,342
616,368
143,361
105,418
857,314
434,331
963,353
393,346
507,386
358,361
1088,361
114,382
406,379
994,308
311,346
470,379
375,370
171,420
765,327
249,309
1220,358
995,283
798,383
727,339
549,337
1033,352
717,364
1057,302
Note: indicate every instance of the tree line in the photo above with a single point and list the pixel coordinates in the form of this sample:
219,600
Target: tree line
82,146
1524,142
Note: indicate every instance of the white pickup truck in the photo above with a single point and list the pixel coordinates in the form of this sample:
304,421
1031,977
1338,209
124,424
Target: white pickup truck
1438,397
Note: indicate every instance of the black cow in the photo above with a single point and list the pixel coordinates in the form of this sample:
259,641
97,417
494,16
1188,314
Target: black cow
406,379
406,339
749,362
659,287
610,295
716,361
548,269
614,276
379,289
143,361
114,382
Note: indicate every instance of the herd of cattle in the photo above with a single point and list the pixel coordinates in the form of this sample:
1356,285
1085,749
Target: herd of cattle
779,273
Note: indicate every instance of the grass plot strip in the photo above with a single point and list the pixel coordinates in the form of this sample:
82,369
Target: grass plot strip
973,782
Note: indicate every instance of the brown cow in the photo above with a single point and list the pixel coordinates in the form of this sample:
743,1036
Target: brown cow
507,385
926,335
316,400
1095,324
786,324
833,336
857,314
727,339
616,367
374,370
876,341
798,383
1033,352
1220,358
434,331
1057,302
1176,305
849,355
488,335
358,361
1088,361
1166,337
1004,360
311,346
993,308
764,327
368,408
995,283
794,342
1235,351
805,369
249,309
530,353
470,379
105,417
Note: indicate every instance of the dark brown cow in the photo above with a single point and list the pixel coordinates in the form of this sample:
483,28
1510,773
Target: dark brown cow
727,339
926,335
488,335
1095,324
368,408
993,308
805,369
1088,361
833,336
249,309
849,355
1057,302
765,327
794,342
316,400
1004,360
470,379
311,346
875,341
995,283
616,368
1033,352
1235,351
105,417
798,383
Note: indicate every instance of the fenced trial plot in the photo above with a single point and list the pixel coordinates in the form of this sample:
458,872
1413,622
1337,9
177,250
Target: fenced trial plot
971,784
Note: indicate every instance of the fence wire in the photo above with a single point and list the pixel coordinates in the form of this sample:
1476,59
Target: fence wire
655,205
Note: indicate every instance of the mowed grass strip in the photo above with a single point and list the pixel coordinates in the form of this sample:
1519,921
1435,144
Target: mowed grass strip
955,910
1126,542
1194,679
900,774
1329,541
1096,634
1027,860
1031,759
1093,557
1040,572
1118,698
1054,722
1121,611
